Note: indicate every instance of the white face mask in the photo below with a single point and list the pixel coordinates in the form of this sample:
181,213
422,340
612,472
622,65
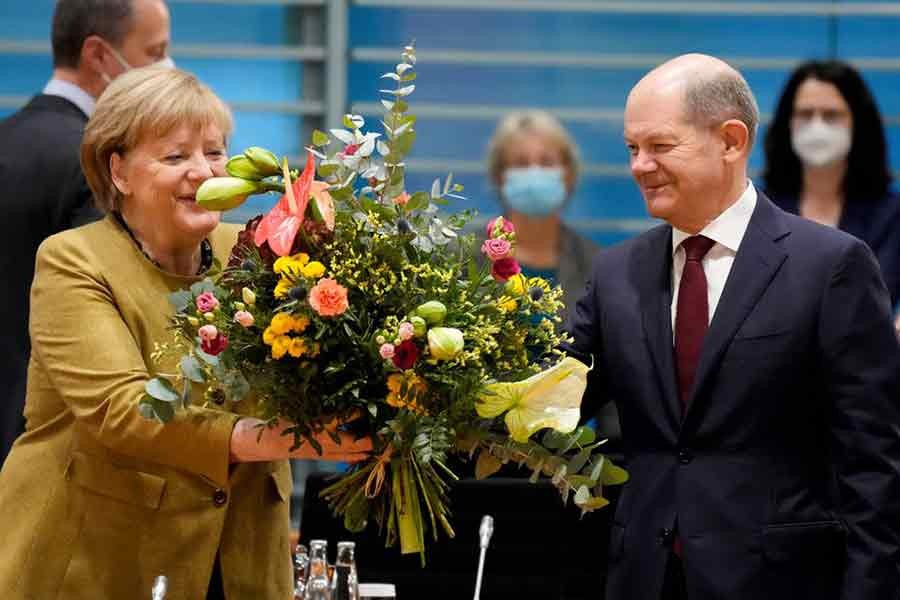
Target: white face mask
818,143
165,62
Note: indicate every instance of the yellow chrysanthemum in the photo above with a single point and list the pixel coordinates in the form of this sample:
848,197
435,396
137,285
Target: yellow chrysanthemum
290,264
507,304
281,346
517,285
298,347
284,286
538,282
269,336
415,390
313,270
282,323
299,324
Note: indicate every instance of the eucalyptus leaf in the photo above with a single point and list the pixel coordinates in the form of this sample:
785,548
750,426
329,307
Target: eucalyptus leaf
393,76
181,300
383,149
487,465
161,389
613,475
417,201
578,461
388,105
447,183
236,386
186,394
343,135
436,188
582,495
205,285
191,369
209,359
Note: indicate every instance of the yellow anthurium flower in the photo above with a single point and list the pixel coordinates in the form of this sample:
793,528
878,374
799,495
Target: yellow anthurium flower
551,398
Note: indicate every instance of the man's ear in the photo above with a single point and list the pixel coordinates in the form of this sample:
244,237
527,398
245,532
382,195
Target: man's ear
93,54
736,137
117,173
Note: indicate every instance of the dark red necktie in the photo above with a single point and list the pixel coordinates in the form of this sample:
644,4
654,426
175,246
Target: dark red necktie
691,314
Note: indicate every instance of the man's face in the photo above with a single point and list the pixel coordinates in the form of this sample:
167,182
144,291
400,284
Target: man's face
147,41
678,166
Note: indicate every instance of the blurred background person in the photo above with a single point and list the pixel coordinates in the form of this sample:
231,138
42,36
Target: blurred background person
96,499
93,42
533,163
826,159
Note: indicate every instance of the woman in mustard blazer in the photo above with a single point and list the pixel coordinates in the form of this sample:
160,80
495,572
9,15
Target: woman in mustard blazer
95,499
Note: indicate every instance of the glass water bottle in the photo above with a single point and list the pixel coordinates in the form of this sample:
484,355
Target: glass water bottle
344,584
301,571
317,585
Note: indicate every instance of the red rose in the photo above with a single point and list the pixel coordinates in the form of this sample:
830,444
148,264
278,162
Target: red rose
214,346
405,355
351,149
505,268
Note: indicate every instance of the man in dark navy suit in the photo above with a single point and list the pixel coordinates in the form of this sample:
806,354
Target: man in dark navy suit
93,41
753,360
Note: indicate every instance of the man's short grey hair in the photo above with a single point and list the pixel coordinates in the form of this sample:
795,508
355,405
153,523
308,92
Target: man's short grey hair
75,20
710,101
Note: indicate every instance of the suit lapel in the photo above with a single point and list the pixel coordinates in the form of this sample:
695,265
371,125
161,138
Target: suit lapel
755,265
655,288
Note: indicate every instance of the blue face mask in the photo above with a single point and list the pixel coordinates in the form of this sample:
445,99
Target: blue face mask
534,191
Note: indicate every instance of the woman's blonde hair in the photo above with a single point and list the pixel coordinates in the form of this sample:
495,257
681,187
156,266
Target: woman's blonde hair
152,101
531,122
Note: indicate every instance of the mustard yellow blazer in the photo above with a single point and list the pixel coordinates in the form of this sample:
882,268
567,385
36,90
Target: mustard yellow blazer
96,500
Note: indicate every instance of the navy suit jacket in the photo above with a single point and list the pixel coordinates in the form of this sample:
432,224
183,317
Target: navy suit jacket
783,477
44,193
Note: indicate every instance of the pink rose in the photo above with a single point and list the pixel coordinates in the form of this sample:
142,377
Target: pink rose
215,346
243,318
206,302
506,226
208,333
505,268
386,351
328,298
496,249
406,330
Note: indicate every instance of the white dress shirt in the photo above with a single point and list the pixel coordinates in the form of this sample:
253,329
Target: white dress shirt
727,231
72,93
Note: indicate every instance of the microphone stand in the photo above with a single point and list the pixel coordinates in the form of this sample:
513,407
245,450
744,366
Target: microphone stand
485,531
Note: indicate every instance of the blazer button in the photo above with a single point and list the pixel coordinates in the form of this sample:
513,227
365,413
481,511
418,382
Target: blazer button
220,497
685,456
665,537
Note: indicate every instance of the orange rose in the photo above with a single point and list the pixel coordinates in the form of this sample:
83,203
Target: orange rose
328,298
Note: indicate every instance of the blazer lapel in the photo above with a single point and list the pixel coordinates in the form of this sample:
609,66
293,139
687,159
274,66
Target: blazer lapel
655,287
755,265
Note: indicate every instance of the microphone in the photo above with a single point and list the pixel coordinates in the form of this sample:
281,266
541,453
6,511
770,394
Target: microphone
485,531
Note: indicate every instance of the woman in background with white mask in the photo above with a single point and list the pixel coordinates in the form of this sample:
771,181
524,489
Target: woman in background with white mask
826,159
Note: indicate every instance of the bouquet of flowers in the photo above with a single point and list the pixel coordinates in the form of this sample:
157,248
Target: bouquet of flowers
356,299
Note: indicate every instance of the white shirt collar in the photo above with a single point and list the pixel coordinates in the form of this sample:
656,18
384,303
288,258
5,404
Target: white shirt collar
729,227
71,92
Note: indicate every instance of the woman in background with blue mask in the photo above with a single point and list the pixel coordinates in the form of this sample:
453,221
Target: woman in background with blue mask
533,162
826,159
534,165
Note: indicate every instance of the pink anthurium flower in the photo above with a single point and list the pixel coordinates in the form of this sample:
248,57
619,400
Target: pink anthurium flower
280,226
